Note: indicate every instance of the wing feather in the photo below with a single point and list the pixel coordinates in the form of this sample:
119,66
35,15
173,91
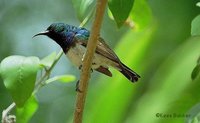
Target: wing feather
102,49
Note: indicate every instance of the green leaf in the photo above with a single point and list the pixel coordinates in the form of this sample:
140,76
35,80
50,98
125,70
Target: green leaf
83,7
48,60
141,14
19,75
25,113
198,61
198,4
195,71
62,78
110,14
195,30
195,120
194,114
120,10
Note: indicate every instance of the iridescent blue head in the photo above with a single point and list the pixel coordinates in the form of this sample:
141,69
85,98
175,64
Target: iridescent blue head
61,33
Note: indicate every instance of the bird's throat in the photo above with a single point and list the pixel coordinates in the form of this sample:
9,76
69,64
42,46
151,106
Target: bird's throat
64,43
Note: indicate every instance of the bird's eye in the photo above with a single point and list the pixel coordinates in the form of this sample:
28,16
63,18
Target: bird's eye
49,28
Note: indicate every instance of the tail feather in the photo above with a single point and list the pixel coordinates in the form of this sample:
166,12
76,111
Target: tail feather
128,73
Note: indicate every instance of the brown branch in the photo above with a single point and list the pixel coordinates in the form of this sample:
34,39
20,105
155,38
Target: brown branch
87,61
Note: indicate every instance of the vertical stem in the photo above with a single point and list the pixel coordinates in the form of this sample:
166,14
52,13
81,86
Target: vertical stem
87,61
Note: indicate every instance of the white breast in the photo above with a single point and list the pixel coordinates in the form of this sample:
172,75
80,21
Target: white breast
75,54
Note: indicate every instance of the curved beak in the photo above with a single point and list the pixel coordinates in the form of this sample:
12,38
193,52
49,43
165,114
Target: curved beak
42,33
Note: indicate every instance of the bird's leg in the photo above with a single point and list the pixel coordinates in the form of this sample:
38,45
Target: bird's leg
77,87
91,67
80,67
91,70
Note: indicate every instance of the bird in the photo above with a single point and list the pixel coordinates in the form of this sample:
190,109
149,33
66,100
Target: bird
73,41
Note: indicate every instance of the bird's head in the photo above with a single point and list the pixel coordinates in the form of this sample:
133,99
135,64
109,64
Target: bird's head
61,33
55,31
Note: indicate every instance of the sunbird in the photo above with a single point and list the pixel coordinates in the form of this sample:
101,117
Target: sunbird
73,41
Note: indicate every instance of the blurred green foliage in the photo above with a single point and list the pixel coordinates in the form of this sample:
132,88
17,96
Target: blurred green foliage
25,114
195,29
83,8
160,49
19,76
196,70
120,10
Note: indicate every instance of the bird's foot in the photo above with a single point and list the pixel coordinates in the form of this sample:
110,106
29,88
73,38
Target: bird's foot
81,66
77,87
91,70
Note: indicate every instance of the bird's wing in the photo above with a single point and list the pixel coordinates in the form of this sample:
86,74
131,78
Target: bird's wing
102,49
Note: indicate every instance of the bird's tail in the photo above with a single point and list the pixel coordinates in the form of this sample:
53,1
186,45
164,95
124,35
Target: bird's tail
128,73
